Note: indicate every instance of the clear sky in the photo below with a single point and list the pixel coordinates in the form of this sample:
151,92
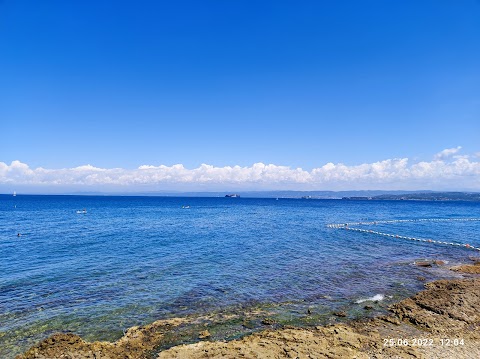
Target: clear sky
295,84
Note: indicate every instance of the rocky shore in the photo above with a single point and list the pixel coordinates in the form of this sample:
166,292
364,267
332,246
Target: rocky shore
442,321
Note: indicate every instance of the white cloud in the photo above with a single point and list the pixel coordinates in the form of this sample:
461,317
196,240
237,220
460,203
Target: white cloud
444,172
446,153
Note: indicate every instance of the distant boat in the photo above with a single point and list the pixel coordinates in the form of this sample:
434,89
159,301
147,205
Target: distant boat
233,195
185,207
14,194
83,211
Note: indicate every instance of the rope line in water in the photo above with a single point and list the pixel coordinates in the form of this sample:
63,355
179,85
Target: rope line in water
369,231
337,225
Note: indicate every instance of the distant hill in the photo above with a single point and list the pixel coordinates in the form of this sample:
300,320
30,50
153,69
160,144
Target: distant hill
432,196
313,194
306,195
422,196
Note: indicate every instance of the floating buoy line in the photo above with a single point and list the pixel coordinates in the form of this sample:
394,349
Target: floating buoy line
348,226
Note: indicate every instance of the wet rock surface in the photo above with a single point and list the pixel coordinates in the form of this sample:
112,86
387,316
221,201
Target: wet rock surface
445,305
471,269
204,334
136,343
446,309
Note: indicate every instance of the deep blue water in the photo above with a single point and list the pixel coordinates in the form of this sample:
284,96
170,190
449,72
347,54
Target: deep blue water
132,260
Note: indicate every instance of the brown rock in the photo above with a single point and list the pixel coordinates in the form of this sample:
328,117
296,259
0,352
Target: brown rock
390,319
340,314
268,321
135,342
204,334
446,304
468,268
474,259
423,263
248,324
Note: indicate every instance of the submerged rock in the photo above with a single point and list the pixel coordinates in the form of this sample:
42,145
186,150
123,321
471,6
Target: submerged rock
430,263
268,321
204,334
248,324
423,263
474,259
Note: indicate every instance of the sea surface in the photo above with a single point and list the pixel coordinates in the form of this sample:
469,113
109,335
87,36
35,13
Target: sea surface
132,260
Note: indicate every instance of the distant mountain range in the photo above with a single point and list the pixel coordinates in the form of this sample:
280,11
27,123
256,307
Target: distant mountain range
432,196
345,195
353,195
421,196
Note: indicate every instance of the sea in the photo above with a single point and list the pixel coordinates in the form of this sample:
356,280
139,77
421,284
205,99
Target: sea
97,265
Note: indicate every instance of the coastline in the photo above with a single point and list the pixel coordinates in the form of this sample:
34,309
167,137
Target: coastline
442,321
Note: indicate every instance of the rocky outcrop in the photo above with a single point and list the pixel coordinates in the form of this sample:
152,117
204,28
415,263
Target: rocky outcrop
446,305
445,309
470,269
135,344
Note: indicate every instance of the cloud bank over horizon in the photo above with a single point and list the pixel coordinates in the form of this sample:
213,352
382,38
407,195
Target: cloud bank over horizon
446,171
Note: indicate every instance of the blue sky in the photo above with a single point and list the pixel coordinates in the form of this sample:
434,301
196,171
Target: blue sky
121,84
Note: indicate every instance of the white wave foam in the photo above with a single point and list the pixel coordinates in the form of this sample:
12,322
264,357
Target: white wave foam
375,298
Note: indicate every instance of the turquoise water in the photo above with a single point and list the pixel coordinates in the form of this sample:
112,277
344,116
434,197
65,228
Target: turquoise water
132,260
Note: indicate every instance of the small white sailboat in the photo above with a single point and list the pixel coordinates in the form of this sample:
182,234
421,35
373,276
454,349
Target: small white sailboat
14,193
